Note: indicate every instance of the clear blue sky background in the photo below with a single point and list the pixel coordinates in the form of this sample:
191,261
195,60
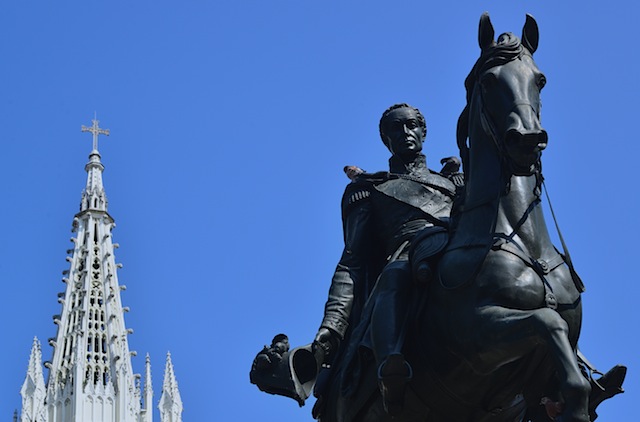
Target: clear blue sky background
230,124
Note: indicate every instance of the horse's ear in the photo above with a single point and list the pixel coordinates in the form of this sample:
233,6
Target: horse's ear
485,32
530,34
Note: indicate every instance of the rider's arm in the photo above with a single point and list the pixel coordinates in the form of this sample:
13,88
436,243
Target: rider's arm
350,270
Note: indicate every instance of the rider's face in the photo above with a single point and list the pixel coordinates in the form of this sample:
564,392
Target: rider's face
403,132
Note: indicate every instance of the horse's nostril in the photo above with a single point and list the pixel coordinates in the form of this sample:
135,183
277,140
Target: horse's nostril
538,140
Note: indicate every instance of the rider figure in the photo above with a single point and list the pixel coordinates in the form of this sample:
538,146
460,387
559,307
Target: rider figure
382,214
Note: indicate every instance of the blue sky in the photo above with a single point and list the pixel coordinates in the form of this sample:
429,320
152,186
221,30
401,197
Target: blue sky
230,124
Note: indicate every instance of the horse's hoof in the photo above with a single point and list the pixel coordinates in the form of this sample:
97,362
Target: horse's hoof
606,387
393,375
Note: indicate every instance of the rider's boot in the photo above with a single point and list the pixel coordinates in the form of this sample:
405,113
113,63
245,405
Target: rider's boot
393,375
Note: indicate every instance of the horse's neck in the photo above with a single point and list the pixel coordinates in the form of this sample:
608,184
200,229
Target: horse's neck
483,187
520,217
494,204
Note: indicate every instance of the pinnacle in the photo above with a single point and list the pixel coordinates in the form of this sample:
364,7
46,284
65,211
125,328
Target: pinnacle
170,394
35,359
170,382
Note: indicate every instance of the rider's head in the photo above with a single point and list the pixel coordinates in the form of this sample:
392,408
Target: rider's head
403,129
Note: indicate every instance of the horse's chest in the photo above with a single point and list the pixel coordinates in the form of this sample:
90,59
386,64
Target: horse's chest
504,280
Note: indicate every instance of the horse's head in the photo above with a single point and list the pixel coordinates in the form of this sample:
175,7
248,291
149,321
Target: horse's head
503,93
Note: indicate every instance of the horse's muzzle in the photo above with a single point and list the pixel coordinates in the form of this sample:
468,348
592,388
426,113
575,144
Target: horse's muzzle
532,140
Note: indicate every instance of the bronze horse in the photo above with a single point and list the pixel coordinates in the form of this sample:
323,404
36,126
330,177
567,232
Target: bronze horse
496,336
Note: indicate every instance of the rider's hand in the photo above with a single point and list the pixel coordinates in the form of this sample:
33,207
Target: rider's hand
326,340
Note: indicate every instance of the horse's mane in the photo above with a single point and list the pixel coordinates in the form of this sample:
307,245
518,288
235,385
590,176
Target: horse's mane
506,49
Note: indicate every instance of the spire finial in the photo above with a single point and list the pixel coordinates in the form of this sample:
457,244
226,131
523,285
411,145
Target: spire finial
95,130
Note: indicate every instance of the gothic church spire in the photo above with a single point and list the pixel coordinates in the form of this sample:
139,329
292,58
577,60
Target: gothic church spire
90,374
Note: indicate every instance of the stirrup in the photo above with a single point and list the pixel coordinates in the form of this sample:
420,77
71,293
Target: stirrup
392,384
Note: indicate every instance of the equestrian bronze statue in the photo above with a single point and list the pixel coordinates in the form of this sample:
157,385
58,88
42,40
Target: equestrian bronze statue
450,303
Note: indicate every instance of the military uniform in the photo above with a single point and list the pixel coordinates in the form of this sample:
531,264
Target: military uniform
382,213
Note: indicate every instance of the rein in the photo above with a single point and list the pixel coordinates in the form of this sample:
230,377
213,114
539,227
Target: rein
521,221
567,257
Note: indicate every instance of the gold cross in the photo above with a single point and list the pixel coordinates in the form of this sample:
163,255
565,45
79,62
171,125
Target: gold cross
95,130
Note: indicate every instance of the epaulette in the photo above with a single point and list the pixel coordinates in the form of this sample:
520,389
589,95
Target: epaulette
358,195
355,191
359,190
457,179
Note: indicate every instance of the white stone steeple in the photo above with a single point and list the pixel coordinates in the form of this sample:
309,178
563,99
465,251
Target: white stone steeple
170,402
90,375
33,389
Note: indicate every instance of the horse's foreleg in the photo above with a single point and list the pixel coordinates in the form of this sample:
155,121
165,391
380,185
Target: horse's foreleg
574,387
506,335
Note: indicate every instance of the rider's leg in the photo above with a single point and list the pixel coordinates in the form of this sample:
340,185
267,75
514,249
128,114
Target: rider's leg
388,326
388,320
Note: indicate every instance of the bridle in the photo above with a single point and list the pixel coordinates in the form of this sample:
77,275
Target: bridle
489,128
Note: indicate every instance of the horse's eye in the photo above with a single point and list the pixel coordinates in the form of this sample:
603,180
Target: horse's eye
541,82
